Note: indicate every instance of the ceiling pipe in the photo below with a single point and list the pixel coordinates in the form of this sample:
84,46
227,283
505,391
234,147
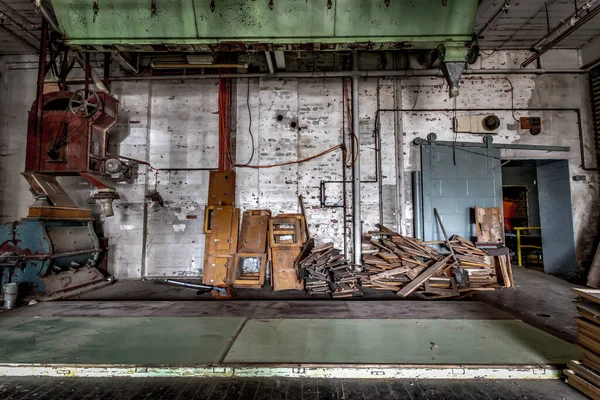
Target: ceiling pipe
580,22
565,25
159,65
341,74
46,15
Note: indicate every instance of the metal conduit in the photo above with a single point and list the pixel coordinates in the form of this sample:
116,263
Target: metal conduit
356,220
343,74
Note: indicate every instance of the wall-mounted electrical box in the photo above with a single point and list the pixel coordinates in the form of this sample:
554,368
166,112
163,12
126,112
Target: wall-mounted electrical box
477,124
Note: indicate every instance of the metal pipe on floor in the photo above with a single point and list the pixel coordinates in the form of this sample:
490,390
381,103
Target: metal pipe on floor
417,198
357,225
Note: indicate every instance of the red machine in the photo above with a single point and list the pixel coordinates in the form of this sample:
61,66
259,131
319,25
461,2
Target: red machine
67,135
72,135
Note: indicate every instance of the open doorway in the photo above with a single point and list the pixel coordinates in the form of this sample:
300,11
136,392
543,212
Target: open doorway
538,218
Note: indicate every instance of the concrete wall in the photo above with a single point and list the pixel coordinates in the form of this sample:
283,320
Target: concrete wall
173,124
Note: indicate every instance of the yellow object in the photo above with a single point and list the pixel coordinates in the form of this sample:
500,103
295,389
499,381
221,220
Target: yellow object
519,246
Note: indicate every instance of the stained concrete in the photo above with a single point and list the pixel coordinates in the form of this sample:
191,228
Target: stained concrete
265,309
177,341
541,300
123,340
406,341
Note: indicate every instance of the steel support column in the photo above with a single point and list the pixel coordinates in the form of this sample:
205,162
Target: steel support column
357,223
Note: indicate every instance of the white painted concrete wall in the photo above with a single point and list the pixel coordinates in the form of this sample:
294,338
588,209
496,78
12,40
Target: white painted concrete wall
173,124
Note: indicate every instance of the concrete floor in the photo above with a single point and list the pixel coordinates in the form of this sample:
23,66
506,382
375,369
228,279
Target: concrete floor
543,301
540,300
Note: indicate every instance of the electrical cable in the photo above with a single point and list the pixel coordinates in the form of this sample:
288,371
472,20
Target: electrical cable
512,98
329,150
249,123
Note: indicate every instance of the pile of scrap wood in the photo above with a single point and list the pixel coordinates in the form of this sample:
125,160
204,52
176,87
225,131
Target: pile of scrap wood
324,270
407,265
584,375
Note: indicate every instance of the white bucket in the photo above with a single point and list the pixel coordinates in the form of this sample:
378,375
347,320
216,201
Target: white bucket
11,291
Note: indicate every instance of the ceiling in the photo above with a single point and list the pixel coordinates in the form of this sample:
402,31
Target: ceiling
13,38
525,23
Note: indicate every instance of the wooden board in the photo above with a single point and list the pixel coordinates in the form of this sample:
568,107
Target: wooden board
239,279
254,231
584,324
216,270
221,188
586,373
283,273
419,280
489,225
68,213
287,230
592,295
224,232
582,385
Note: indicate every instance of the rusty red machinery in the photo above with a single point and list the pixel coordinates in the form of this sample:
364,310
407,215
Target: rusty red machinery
55,250
69,137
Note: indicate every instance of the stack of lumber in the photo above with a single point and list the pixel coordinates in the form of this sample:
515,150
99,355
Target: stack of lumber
407,265
584,375
325,271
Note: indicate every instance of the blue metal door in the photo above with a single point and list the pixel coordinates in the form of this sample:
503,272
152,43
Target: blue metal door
454,181
556,218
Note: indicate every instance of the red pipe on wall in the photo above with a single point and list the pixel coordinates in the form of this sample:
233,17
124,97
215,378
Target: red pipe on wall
225,162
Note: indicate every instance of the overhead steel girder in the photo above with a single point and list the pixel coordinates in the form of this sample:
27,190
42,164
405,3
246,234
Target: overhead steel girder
405,23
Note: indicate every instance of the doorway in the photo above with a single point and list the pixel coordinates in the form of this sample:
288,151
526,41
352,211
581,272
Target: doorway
538,218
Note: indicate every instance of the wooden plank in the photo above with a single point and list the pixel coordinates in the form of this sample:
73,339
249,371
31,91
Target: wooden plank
221,188
283,274
253,233
391,272
419,280
588,325
592,295
582,385
588,343
591,364
586,373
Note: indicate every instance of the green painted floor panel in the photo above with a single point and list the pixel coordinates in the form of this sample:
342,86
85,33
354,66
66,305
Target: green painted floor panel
122,340
183,341
408,341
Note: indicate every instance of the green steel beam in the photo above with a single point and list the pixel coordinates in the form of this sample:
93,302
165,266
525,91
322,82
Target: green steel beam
405,23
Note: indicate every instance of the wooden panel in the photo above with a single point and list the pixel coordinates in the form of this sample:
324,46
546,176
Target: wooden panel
489,225
283,274
255,279
221,188
287,230
253,233
47,212
224,232
216,270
